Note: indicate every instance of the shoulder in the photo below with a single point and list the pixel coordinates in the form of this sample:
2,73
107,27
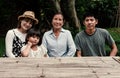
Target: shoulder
42,47
65,31
101,30
11,31
80,33
48,32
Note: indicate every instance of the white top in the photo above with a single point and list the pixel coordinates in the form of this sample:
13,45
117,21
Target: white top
40,52
9,40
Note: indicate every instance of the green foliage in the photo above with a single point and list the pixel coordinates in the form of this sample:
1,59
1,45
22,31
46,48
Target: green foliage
104,9
115,33
2,46
10,9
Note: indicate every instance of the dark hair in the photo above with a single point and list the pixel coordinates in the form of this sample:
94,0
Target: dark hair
89,14
56,13
34,32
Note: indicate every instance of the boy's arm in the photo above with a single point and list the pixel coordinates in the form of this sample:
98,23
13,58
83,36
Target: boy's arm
113,50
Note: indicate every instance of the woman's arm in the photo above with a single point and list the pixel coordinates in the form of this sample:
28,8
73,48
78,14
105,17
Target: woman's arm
8,43
71,45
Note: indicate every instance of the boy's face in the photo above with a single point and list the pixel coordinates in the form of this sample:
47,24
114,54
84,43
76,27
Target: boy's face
90,22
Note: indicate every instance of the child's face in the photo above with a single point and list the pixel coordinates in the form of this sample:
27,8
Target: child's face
34,40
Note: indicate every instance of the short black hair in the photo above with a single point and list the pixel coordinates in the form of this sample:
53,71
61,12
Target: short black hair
34,32
88,14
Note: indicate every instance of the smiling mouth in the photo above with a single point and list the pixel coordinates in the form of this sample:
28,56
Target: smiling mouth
90,26
57,25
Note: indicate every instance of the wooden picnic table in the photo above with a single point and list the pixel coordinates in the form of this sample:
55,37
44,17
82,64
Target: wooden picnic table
60,67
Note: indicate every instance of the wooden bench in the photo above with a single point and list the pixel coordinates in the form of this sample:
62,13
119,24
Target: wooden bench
60,67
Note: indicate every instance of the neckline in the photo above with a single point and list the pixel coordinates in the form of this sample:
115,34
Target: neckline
90,34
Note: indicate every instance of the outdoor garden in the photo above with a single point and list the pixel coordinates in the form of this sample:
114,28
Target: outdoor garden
107,11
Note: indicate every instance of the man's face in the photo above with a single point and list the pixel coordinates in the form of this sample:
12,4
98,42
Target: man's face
90,22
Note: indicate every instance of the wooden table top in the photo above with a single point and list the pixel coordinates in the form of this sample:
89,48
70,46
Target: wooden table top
60,67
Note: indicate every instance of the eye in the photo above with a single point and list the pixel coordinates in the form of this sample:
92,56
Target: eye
55,19
29,20
87,20
36,37
60,19
91,19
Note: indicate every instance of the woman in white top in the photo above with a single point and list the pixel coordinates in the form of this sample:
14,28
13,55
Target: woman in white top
33,47
15,38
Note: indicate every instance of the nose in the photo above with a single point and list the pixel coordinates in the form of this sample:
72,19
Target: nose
57,21
28,24
35,39
89,21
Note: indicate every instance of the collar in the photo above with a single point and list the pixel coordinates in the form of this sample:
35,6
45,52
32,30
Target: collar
91,34
62,30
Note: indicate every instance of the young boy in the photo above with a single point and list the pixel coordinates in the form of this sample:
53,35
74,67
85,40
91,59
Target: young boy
91,41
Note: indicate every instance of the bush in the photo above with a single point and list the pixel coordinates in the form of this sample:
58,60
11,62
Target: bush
2,46
115,32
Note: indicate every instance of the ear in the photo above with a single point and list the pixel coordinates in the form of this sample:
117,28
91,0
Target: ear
64,21
96,21
83,22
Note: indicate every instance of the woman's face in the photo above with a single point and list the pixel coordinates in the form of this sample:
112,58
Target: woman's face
57,21
26,24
